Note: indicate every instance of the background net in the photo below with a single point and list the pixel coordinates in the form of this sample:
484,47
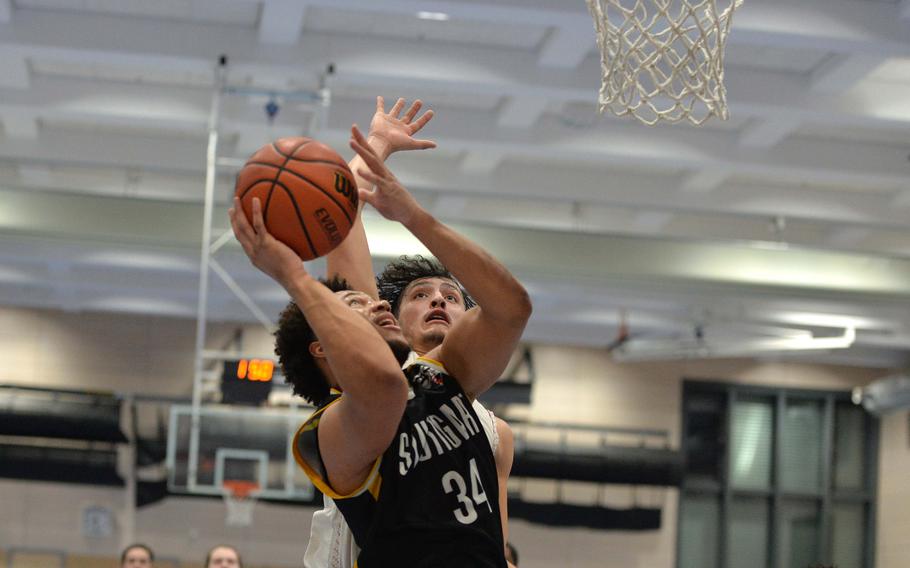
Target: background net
663,59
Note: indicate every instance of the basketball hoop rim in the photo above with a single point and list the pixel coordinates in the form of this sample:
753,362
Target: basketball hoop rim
240,488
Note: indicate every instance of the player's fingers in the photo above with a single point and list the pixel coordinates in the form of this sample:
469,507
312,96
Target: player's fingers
422,121
242,232
366,195
369,157
358,136
412,112
380,104
396,108
361,141
369,176
425,144
239,223
258,222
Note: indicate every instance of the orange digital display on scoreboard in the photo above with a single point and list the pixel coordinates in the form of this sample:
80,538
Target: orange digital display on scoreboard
260,370
247,381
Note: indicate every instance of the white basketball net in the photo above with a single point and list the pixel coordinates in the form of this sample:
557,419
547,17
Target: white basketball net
239,507
663,59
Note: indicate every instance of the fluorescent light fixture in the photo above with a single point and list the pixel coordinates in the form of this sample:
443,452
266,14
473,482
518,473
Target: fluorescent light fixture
828,320
666,349
435,16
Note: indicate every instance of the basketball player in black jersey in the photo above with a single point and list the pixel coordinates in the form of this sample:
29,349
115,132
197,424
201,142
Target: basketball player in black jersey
416,475
433,301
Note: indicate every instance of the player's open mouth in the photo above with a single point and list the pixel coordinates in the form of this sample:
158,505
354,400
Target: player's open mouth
437,316
387,320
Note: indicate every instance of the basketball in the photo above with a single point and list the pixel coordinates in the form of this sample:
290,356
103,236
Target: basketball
307,191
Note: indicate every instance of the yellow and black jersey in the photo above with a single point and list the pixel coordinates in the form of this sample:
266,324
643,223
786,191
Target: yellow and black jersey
432,498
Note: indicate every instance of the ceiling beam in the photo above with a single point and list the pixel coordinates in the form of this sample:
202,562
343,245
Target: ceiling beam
901,200
522,112
14,72
565,46
281,21
705,180
823,162
766,133
542,254
843,71
480,163
847,237
19,126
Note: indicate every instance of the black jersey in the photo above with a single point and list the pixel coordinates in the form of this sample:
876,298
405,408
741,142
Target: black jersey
432,498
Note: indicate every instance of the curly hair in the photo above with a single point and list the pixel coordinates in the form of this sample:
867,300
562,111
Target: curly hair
292,342
399,273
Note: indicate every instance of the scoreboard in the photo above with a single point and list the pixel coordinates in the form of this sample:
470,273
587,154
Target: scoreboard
247,381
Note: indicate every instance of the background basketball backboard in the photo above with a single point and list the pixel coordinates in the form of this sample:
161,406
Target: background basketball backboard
237,444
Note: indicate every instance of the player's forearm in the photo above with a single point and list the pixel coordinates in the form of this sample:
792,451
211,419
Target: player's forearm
495,289
358,356
351,260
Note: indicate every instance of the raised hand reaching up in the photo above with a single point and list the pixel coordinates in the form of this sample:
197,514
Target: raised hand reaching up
390,133
387,196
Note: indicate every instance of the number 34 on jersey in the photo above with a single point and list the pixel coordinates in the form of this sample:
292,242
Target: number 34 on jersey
468,503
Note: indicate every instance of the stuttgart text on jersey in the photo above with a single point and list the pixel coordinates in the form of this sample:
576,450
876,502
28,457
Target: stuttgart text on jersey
440,432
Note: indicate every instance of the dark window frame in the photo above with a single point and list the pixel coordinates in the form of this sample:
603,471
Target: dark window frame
826,497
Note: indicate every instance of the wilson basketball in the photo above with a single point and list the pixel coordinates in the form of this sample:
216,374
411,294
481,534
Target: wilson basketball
307,191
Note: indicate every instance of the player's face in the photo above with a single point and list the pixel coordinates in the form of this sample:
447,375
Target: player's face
137,558
428,308
378,312
223,557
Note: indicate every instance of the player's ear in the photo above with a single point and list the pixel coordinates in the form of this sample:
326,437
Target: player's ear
316,350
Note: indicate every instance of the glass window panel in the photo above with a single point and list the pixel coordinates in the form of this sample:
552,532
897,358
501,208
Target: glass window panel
704,436
747,533
847,534
797,537
698,532
849,438
801,446
751,443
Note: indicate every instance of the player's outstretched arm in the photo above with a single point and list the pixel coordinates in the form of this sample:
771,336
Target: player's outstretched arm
390,132
505,454
479,345
360,426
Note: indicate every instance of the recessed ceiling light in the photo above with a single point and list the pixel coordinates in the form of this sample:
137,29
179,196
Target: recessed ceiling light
437,16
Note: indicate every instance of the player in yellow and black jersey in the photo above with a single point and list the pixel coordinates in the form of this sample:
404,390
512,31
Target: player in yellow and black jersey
408,451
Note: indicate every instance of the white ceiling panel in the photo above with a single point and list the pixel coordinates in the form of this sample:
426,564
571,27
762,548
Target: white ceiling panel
895,70
772,58
117,72
210,11
411,27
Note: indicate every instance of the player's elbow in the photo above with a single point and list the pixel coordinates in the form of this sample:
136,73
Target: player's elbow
391,389
520,307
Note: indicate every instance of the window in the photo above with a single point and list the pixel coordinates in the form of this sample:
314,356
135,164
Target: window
775,478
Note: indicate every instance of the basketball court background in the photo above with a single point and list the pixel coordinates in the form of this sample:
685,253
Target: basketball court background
727,246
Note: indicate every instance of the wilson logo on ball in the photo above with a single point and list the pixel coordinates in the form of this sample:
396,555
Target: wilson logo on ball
344,186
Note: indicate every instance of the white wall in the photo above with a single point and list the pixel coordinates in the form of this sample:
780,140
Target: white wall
48,515
574,385
893,519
